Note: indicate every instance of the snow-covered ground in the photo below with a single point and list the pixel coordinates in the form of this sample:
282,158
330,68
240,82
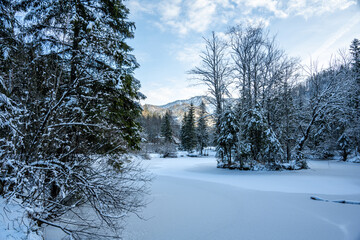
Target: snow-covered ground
192,199
14,224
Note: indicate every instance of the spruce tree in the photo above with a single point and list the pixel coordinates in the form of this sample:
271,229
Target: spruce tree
201,130
227,138
188,130
355,52
191,128
183,134
260,138
355,98
166,130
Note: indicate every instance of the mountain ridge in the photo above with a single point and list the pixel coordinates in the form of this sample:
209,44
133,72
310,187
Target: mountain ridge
177,108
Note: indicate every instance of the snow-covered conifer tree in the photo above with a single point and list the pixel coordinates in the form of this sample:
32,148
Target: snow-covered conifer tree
355,53
259,138
188,130
166,130
227,138
202,131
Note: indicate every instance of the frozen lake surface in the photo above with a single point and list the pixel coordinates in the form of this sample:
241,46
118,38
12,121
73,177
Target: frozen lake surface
192,199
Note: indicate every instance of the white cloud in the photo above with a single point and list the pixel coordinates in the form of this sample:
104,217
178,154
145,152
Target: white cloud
170,9
272,6
190,54
254,21
137,7
223,36
309,8
198,15
201,14
164,95
323,54
189,17
186,16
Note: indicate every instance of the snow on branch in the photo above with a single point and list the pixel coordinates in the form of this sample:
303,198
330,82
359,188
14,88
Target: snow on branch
335,201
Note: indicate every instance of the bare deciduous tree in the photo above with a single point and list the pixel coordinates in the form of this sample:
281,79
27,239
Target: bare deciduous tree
214,72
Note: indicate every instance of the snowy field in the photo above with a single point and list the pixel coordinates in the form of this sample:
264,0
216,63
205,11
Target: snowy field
192,199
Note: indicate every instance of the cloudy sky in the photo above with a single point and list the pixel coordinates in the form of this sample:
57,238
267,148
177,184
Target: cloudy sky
168,38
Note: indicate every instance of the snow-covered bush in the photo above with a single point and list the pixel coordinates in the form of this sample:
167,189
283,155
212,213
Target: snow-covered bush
167,150
67,94
49,190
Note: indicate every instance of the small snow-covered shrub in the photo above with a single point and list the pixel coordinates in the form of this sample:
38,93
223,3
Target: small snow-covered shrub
167,150
354,159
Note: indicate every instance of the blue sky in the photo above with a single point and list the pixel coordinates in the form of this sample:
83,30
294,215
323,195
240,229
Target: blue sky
168,36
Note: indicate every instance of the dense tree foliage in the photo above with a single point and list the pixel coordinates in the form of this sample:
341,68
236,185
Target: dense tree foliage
67,94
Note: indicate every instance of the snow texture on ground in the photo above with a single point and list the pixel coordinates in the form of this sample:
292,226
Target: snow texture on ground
14,225
192,199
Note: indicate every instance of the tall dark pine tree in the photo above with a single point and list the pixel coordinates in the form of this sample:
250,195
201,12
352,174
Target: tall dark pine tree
201,130
166,130
10,108
355,52
188,131
183,132
227,138
7,35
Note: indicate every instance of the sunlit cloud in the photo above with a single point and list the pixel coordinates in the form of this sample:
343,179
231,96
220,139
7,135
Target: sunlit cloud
273,6
254,21
185,16
328,46
189,54
172,93
309,8
139,6
170,9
